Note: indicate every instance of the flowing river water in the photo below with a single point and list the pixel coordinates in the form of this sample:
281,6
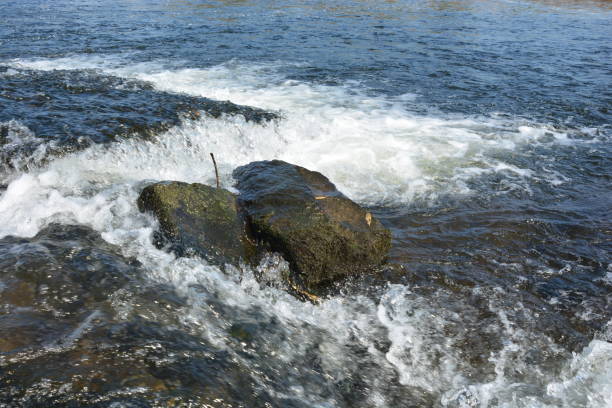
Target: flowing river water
477,132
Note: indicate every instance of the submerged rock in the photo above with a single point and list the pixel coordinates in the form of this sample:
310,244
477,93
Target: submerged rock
117,107
50,283
195,218
53,120
321,233
63,270
81,325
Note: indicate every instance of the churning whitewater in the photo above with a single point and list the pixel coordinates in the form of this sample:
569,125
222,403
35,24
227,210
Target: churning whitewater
499,289
389,156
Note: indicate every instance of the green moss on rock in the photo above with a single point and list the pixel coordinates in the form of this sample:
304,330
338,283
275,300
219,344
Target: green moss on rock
323,235
196,218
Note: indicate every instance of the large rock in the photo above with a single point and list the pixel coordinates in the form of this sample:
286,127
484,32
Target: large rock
321,233
195,218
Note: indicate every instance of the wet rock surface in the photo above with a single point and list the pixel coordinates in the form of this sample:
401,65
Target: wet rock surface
197,219
62,271
300,214
80,327
132,363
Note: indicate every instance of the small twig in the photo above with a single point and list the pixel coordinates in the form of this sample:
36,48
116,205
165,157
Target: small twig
216,170
306,295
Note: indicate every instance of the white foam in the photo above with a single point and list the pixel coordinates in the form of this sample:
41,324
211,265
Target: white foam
587,378
414,332
373,148
377,152
20,148
422,353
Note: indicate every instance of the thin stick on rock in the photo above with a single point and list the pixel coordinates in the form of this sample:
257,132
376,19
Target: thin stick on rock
216,170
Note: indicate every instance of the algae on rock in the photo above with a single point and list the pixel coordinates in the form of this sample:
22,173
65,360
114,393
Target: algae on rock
196,218
299,213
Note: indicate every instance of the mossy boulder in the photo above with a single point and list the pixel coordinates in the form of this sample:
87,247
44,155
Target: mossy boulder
299,213
197,219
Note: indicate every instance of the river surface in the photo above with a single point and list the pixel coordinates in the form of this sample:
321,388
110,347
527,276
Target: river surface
478,132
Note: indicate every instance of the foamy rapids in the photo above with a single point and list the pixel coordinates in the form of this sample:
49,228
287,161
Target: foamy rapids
377,152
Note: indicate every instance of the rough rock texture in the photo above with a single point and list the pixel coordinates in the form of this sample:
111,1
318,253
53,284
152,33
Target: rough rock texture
300,213
82,326
196,218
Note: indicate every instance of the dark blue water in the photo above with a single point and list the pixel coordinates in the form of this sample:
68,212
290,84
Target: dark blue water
525,58
478,132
